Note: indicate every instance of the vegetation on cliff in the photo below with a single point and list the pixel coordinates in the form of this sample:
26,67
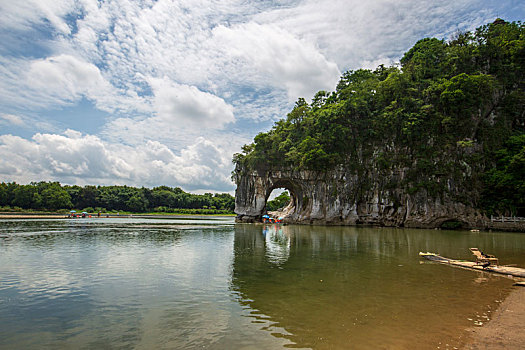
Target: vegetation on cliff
451,115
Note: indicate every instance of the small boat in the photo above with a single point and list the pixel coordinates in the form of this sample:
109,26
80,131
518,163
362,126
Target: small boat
477,265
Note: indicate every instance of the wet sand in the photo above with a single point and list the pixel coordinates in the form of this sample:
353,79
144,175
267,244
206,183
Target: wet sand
506,330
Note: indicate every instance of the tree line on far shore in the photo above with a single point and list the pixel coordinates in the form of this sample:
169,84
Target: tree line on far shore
52,196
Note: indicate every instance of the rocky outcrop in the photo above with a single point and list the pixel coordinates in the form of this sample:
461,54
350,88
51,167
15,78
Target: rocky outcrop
435,143
343,197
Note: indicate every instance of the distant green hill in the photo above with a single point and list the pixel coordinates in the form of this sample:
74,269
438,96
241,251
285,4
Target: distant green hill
451,115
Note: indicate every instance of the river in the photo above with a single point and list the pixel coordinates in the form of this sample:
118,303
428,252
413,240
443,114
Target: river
193,283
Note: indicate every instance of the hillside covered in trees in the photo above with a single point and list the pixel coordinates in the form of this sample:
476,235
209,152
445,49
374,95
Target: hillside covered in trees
450,118
53,196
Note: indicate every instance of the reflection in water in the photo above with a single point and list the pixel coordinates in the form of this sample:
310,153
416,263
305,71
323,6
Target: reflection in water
344,287
188,284
122,283
104,284
277,243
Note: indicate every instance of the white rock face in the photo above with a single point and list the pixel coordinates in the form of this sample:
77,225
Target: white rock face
341,197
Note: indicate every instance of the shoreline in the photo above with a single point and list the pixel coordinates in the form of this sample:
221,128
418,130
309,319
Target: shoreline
102,216
33,216
505,329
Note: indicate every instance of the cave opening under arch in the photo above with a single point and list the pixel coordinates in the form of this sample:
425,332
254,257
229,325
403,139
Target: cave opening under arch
279,187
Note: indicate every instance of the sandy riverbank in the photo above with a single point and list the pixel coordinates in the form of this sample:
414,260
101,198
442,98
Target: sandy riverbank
33,216
53,216
506,329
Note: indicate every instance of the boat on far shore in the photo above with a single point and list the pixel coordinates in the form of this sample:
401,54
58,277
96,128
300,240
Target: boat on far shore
267,219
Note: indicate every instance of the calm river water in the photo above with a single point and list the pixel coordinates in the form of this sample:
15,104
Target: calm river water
210,283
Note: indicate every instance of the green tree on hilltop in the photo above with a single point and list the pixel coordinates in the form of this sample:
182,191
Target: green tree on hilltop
445,114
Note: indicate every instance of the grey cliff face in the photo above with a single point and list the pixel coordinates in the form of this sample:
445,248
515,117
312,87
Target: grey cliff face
341,197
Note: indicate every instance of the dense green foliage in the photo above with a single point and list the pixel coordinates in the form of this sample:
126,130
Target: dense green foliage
506,181
450,109
53,196
278,202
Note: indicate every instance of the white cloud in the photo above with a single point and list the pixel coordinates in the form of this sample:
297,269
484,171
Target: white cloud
277,58
200,165
354,33
11,119
21,15
221,47
64,79
185,84
64,157
183,104
74,158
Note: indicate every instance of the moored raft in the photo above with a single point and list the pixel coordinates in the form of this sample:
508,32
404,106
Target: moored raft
503,270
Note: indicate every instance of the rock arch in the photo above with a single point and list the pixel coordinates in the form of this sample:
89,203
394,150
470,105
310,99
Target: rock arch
314,195
343,197
254,189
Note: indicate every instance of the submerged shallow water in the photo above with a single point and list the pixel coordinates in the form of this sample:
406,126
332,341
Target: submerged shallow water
210,283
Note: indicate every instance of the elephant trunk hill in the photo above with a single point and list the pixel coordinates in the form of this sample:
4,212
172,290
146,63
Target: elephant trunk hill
438,141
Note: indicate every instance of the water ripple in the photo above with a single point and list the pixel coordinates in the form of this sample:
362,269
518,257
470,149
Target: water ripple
135,283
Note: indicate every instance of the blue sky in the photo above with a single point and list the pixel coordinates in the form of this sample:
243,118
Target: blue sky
149,93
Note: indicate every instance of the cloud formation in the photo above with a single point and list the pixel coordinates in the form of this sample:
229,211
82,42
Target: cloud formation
72,157
354,33
183,84
11,119
276,58
22,15
178,103
65,78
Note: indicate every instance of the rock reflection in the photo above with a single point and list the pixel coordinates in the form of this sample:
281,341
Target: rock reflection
148,284
339,287
277,239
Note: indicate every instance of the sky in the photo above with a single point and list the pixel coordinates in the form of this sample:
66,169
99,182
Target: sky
150,93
